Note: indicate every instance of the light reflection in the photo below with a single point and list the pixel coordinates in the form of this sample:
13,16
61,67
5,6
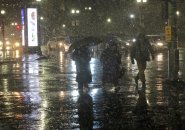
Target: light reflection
94,92
62,95
17,54
92,65
75,94
61,55
73,66
160,57
5,85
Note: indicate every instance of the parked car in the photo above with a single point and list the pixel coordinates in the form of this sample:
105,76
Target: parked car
59,43
158,42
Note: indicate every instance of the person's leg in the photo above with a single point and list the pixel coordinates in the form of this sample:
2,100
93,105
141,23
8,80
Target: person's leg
80,86
142,67
86,85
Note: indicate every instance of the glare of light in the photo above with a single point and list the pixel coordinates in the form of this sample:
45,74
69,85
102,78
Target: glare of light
17,44
75,93
61,56
86,8
38,0
1,43
144,1
160,57
72,11
109,20
90,8
8,48
134,40
15,23
43,116
60,44
160,44
62,94
12,34
41,18
63,25
177,13
7,43
77,11
5,84
128,44
73,66
17,54
94,92
132,16
12,24
66,47
3,12
139,1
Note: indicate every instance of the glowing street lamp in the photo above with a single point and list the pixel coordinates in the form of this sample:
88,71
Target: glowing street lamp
132,16
3,31
141,1
109,20
141,15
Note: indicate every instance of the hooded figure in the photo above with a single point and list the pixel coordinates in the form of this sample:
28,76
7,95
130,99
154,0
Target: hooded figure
141,51
111,61
82,58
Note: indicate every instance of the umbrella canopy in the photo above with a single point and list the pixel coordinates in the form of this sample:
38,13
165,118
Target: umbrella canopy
87,41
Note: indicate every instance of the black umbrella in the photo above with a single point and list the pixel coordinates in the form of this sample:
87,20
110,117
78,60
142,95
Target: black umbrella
87,41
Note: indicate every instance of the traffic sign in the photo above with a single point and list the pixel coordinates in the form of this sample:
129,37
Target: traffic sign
168,33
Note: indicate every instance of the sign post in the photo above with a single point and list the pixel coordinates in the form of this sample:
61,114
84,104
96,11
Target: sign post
171,38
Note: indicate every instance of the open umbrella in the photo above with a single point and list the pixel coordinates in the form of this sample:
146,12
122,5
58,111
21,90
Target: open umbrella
87,41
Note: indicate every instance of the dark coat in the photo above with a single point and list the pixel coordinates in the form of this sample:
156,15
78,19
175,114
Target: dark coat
111,61
141,49
82,60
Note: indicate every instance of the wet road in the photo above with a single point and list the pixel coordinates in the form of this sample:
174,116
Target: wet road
42,95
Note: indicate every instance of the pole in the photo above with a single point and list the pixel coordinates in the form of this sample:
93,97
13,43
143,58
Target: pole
39,30
3,36
173,53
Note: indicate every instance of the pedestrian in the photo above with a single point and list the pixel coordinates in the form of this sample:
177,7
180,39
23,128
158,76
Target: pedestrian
82,58
141,51
111,62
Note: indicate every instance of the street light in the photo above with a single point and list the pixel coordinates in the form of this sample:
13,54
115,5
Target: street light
140,11
109,20
39,28
3,32
141,1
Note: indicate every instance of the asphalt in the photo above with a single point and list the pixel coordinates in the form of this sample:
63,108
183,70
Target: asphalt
42,94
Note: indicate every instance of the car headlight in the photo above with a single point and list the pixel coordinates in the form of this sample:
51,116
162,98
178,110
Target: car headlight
66,47
7,48
127,44
160,44
7,43
60,44
17,44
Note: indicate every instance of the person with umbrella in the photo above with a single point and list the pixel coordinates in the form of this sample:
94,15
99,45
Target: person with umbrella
82,58
111,61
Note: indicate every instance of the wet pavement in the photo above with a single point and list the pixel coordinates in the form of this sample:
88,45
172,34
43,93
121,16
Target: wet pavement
42,94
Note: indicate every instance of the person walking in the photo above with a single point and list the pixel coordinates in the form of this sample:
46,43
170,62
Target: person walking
82,58
111,61
141,51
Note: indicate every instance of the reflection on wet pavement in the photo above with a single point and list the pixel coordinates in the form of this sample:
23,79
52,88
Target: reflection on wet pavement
43,95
